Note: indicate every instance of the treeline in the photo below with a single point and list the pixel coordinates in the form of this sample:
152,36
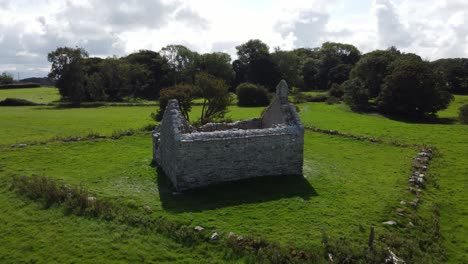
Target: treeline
375,78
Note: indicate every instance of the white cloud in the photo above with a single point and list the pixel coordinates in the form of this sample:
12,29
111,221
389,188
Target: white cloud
31,29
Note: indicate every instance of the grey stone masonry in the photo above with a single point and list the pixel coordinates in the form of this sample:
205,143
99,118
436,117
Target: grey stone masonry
219,152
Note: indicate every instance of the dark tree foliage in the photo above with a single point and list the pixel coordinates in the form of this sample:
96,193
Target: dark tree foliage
455,74
216,98
310,75
412,88
6,78
114,78
289,64
339,73
372,69
217,64
184,95
249,94
182,61
264,71
330,64
463,114
252,50
336,91
256,65
69,72
355,94
151,71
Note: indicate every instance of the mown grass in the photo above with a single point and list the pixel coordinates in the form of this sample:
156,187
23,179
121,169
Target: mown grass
450,171
42,95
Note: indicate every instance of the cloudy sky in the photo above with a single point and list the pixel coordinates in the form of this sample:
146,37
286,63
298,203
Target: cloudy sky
29,29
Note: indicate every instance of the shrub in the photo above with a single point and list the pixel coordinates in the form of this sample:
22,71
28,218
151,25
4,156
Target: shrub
216,97
355,94
249,94
16,102
332,100
336,90
463,114
184,95
413,88
300,98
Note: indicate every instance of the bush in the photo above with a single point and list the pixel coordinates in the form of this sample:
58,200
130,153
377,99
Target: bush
249,94
463,114
183,93
355,94
336,90
16,102
332,100
300,98
413,89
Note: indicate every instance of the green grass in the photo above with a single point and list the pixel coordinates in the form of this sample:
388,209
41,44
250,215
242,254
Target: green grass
42,95
342,192
452,110
450,169
41,123
31,234
349,185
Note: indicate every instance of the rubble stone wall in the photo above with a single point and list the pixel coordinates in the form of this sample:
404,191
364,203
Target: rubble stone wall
272,145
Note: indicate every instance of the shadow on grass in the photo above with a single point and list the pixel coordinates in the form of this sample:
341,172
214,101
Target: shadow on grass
255,190
429,119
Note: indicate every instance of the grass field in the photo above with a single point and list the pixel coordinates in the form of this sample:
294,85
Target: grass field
42,95
348,186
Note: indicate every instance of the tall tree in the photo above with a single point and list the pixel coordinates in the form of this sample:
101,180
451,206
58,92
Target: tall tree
289,65
69,72
217,64
372,69
182,61
255,62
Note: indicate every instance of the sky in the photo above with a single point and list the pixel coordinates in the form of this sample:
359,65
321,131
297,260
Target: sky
29,29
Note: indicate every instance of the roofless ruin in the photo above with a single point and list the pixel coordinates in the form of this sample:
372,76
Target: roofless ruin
271,145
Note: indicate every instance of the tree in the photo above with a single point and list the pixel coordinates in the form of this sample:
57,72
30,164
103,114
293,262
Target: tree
355,94
249,94
184,95
455,74
463,114
372,68
114,78
413,88
310,75
216,98
252,50
255,64
289,64
264,71
182,61
69,72
152,72
6,78
339,73
217,64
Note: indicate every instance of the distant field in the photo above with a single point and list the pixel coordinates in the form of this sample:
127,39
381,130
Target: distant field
26,124
43,95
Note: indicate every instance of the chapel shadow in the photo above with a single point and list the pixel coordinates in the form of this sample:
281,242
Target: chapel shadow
254,190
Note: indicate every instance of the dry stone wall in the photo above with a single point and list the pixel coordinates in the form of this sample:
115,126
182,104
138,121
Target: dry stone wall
267,146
